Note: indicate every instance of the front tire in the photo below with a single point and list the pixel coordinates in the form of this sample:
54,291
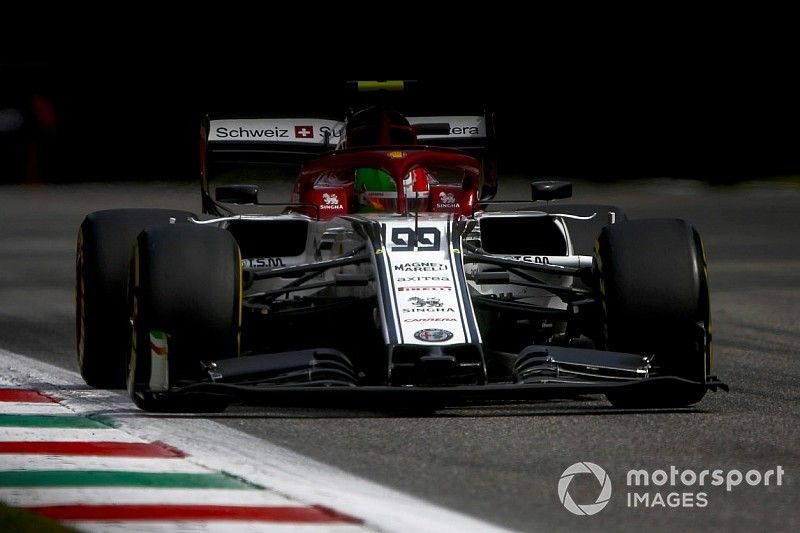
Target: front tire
104,246
185,307
653,283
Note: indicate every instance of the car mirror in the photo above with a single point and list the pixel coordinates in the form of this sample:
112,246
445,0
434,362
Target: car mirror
550,190
237,194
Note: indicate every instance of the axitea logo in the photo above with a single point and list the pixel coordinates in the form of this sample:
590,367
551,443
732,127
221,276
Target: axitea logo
590,508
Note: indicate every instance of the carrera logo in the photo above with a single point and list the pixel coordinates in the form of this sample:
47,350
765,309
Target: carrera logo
246,133
304,132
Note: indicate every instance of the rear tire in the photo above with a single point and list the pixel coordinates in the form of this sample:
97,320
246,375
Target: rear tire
653,283
104,246
185,298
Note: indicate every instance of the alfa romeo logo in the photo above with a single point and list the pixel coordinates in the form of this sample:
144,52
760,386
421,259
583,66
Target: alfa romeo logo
433,335
590,508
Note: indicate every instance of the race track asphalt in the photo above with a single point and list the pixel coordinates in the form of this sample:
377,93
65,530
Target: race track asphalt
503,463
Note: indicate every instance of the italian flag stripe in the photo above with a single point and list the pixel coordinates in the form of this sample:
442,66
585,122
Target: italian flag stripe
52,496
313,514
98,478
107,449
158,342
25,395
50,421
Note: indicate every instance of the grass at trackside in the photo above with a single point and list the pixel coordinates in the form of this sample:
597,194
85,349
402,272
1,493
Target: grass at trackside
22,521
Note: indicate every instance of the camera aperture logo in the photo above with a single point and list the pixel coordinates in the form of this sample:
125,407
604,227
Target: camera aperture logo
663,488
586,509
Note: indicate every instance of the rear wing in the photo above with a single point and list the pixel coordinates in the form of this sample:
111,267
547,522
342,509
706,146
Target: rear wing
295,141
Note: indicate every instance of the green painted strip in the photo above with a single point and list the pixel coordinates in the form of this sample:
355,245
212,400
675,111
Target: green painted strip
97,478
50,421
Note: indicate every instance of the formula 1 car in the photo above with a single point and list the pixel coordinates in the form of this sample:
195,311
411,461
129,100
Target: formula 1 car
423,292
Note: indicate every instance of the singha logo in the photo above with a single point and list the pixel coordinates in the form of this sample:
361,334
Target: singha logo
425,302
330,199
447,198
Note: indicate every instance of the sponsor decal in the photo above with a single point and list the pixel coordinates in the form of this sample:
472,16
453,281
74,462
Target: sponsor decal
331,133
417,279
466,130
425,302
437,319
252,133
433,335
280,130
429,310
421,267
331,201
460,126
536,259
304,132
263,262
426,288
447,200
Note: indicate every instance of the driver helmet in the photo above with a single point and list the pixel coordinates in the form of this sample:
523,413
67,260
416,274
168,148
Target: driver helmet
377,191
416,185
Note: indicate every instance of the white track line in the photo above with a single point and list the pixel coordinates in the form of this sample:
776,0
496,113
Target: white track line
8,434
22,408
38,496
89,462
216,526
219,447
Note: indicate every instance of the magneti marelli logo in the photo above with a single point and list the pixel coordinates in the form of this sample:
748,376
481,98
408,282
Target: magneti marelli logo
590,508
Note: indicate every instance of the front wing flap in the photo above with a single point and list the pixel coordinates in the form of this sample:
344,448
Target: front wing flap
321,394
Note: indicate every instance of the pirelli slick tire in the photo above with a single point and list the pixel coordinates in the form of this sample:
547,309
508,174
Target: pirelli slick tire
653,284
104,247
185,307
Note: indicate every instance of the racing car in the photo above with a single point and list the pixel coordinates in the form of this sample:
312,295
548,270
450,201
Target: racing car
391,276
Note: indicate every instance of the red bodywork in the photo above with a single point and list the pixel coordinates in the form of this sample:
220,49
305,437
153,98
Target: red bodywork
397,161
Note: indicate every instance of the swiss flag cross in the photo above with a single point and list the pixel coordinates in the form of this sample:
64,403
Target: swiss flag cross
304,132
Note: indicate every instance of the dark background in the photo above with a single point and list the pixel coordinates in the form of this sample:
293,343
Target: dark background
718,116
